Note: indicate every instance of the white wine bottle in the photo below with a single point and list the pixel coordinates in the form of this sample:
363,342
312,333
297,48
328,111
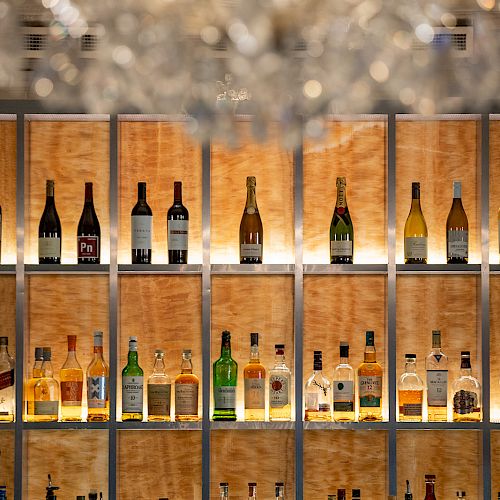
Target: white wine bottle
415,230
457,229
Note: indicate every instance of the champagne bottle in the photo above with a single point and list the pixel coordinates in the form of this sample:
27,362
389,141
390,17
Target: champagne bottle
251,232
225,377
142,228
89,231
49,230
341,228
415,230
457,229
178,221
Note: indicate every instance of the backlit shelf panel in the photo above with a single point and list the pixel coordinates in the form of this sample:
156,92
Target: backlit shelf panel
253,268
438,268
66,268
275,426
159,268
345,268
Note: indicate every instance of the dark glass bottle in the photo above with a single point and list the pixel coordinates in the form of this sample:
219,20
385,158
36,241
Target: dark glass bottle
89,231
341,228
225,377
49,231
251,231
142,228
178,222
430,480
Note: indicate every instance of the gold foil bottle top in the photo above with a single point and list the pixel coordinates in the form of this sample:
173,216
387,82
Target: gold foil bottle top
341,182
251,182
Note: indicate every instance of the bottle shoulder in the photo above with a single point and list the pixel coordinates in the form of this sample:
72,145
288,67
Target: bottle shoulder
142,209
132,371
186,378
411,381
178,212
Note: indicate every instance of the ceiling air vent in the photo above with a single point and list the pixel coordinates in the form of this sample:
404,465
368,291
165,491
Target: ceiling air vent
458,40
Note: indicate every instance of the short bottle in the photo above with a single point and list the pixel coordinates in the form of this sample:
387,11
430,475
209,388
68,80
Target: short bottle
159,391
132,385
30,388
466,393
71,376
457,229
317,392
251,230
186,391
49,230
415,233
356,494
225,378
343,388
370,377
98,383
430,481
254,375
178,229
142,228
88,234
410,392
6,382
280,381
341,228
224,491
436,365
252,491
279,491
408,493
46,391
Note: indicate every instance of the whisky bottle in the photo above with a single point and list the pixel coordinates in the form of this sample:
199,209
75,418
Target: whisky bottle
341,229
132,385
408,494
6,382
254,376
343,388
98,384
436,365
30,387
225,378
46,392
430,481
280,378
186,391
370,375
279,489
224,491
466,394
410,392
159,391
317,392
251,231
252,491
3,492
71,376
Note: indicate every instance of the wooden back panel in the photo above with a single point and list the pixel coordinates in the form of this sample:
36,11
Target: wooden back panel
494,190
8,311
495,347
7,445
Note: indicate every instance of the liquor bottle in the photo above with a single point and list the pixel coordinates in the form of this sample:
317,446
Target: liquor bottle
280,378
408,494
225,377
430,480
178,222
341,229
251,232
3,492
49,231
132,385
332,497
142,228
46,392
410,392
279,489
50,490
466,393
356,494
341,494
370,376
159,391
461,495
88,235
317,392
98,384
224,491
92,495
457,229
186,391
436,365
254,375
30,388
415,230
6,382
252,491
71,376
343,388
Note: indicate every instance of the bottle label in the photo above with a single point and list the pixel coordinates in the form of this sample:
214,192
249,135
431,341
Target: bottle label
251,250
141,232
132,394
437,387
343,395
412,409
46,407
465,402
278,391
178,234
255,393
49,248
341,248
186,399
159,399
416,248
88,247
71,393
225,397
370,391
6,379
97,392
458,244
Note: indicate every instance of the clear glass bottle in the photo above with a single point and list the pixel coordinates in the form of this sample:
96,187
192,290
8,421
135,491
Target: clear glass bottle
225,379
317,392
410,392
254,375
46,392
466,393
132,385
6,382
436,365
30,388
159,388
280,381
279,489
98,384
370,378
252,491
343,388
430,481
71,376
186,391
224,491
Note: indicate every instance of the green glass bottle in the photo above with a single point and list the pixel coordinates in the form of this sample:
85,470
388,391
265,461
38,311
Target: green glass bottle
225,376
341,229
132,385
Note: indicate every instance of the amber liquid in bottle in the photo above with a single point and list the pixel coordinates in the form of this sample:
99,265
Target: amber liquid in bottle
71,376
254,375
186,391
98,384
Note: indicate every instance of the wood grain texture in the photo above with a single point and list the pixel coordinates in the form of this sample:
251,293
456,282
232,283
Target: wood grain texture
345,459
8,310
240,457
159,153
71,153
159,464
357,151
435,153
77,460
361,302
8,190
272,165
164,312
7,445
495,464
453,456
494,190
495,347
244,304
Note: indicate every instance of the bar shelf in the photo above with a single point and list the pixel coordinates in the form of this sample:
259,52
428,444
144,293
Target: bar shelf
164,426
66,268
333,426
159,269
438,268
276,426
495,268
8,269
345,268
252,269
34,426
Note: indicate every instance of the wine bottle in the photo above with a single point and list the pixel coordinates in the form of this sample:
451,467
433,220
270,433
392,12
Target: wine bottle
178,221
251,232
341,228
457,229
415,230
49,230
89,231
142,228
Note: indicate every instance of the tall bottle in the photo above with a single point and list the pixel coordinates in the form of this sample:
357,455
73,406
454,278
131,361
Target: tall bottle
436,365
408,493
49,230
30,388
252,491
159,391
279,489
224,491
317,392
6,382
88,234
410,392
98,384
457,229
415,230
71,376
225,377
132,385
430,481
341,229
178,225
186,391
343,388
254,375
46,391
280,383
466,393
370,375
251,232
142,228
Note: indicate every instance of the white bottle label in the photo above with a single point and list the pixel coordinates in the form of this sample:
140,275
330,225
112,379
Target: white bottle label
251,250
49,248
97,392
437,387
341,248
225,397
255,393
278,391
142,229
178,234
186,399
416,248
343,395
132,394
458,244
159,399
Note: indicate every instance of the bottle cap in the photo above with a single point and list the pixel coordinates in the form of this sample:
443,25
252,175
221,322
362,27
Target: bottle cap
415,185
132,339
39,353
186,352
465,354
411,356
159,351
226,335
430,477
356,493
370,338
224,484
4,340
251,181
344,349
254,339
47,354
252,484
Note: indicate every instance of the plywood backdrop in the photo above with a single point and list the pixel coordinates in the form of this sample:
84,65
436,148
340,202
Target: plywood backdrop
495,464
495,347
272,165
244,304
8,190
345,459
164,312
241,457
159,464
494,190
453,456
357,151
8,311
77,462
435,153
159,153
7,461
71,153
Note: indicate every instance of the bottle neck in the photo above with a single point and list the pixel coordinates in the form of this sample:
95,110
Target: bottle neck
89,197
225,350
4,349
410,367
317,366
133,358
177,193
98,351
159,367
254,354
429,488
279,360
141,193
50,192
47,370
251,198
344,360
370,354
415,204
341,196
186,366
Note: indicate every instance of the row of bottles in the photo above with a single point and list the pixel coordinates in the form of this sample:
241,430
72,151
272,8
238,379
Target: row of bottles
279,489
342,495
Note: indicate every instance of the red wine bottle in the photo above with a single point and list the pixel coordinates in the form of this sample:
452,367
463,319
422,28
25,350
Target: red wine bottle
178,222
89,231
49,231
142,228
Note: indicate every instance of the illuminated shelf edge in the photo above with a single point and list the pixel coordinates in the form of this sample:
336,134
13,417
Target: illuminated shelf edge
438,268
252,268
8,269
33,426
281,426
159,268
399,426
172,426
66,268
345,268
495,268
